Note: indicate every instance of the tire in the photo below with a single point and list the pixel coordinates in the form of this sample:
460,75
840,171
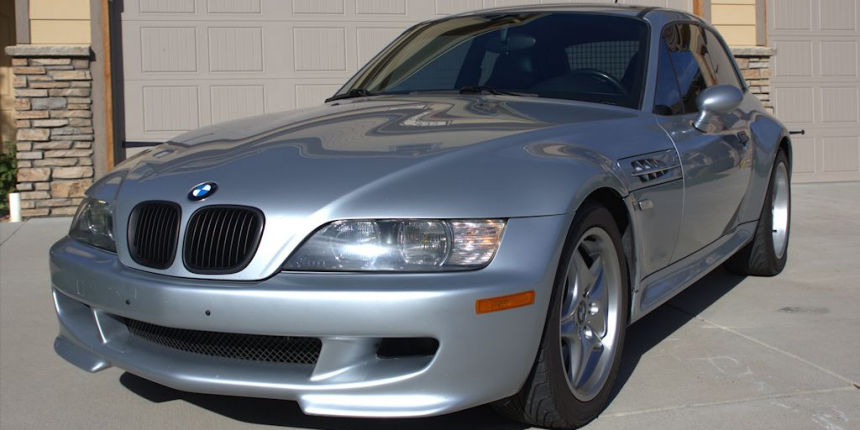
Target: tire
549,398
767,253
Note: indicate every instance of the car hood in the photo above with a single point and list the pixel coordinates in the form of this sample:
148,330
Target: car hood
383,158
450,156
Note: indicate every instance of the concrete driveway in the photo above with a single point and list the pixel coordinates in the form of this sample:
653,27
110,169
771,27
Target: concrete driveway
730,352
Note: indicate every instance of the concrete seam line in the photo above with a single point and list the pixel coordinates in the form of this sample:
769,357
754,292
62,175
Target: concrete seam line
771,347
13,234
730,402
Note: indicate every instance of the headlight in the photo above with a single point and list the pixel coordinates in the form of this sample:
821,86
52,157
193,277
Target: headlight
93,224
414,245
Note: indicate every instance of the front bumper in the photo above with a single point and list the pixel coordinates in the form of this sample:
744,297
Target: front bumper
480,358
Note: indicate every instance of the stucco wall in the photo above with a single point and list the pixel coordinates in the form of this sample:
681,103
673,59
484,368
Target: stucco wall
736,21
60,22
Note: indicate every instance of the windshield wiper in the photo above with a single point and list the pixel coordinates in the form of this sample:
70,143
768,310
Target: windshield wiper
480,89
355,92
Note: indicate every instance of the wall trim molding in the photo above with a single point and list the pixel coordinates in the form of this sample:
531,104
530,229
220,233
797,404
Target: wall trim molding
22,21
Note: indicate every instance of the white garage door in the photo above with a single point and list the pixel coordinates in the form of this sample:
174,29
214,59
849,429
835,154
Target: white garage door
189,63
815,84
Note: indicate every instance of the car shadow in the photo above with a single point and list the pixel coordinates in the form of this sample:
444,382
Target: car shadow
672,315
641,337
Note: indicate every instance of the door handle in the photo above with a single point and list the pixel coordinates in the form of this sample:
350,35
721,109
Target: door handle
743,137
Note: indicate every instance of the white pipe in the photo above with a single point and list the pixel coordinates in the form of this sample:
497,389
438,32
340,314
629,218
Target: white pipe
15,207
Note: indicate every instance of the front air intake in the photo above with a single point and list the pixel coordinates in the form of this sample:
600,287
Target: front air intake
221,239
153,231
236,346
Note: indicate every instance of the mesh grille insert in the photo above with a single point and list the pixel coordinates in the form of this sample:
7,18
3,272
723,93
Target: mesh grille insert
252,347
222,239
153,231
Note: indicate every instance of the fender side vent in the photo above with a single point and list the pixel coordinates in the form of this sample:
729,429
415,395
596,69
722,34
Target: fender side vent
648,169
651,169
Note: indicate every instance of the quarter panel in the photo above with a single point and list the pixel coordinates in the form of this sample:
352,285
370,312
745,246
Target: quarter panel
767,133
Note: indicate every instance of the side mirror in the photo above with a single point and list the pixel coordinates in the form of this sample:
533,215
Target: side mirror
714,101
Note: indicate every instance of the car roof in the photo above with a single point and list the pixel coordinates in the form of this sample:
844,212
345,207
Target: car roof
612,9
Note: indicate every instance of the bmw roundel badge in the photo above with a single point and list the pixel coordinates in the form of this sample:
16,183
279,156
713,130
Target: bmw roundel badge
202,191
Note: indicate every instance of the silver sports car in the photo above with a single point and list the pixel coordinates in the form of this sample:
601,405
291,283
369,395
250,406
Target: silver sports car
475,217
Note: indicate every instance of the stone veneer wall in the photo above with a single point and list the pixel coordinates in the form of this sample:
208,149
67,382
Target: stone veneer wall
52,87
754,63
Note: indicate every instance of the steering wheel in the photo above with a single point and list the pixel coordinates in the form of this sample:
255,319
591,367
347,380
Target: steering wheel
602,76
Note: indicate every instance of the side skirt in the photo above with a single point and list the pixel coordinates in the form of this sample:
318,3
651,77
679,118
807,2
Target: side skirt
664,284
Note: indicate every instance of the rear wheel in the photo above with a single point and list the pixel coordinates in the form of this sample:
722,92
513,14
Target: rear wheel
767,253
580,351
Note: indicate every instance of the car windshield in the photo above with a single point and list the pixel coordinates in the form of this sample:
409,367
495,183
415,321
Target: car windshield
578,56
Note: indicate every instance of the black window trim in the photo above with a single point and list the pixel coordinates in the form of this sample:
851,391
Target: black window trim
674,73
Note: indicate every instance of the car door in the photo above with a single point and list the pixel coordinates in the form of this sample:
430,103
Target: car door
716,163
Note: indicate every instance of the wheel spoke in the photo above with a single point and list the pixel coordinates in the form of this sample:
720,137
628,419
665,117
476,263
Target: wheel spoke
569,329
573,287
572,355
584,276
597,300
590,351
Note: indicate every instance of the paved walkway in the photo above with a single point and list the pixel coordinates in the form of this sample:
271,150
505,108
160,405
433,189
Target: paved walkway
728,353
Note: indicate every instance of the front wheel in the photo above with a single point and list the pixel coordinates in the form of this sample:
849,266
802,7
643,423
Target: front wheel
580,352
767,253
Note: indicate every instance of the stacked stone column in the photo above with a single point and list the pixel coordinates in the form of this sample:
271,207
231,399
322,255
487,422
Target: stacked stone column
754,63
52,87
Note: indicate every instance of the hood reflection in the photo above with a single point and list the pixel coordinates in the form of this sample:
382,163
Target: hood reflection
383,127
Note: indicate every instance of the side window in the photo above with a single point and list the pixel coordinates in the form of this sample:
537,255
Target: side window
719,61
667,99
686,49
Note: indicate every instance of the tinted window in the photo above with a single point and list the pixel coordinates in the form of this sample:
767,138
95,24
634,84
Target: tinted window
686,50
441,73
667,99
580,56
719,61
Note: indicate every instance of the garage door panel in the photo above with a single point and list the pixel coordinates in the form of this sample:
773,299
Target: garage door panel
838,58
448,7
794,104
791,15
840,154
233,6
168,49
310,42
838,105
315,7
170,108
380,7
794,59
838,15
166,6
816,85
229,102
803,155
235,49
311,94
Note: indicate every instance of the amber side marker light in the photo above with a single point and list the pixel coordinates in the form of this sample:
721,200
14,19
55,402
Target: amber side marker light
501,303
